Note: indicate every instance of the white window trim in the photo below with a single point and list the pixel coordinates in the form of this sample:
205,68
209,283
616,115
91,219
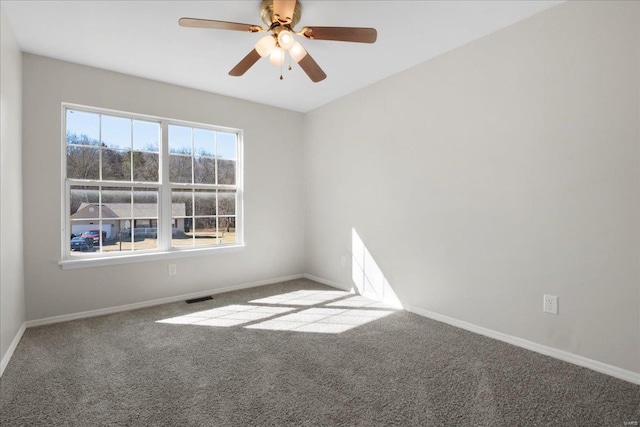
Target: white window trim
164,251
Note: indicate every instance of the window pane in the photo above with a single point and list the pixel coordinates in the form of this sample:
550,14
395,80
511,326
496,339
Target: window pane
120,197
120,240
204,170
227,147
85,219
205,231
116,217
146,136
226,172
83,162
146,166
145,203
145,219
204,142
227,202
181,217
181,203
227,229
116,132
83,203
83,128
180,169
205,202
179,139
116,165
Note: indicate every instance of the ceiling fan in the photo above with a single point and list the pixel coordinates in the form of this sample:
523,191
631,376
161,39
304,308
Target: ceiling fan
281,16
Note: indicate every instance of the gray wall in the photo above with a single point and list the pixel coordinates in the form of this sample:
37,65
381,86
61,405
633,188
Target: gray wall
478,181
496,173
272,200
12,314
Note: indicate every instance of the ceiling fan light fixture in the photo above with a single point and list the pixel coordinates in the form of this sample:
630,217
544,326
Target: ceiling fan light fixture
277,57
297,52
285,39
281,18
265,45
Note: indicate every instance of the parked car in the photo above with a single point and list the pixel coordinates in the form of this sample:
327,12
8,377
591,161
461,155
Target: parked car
95,235
83,244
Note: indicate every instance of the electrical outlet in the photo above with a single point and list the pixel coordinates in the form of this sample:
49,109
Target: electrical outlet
172,270
344,261
550,304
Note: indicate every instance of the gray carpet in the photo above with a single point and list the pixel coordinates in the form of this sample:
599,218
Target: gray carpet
326,359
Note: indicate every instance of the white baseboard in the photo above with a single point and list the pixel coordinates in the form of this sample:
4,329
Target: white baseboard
603,368
12,348
329,283
144,304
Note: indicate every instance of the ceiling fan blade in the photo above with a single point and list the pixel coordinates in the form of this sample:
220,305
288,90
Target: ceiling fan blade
343,34
283,10
311,67
246,63
218,25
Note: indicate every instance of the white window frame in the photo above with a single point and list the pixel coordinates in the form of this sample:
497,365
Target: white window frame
164,186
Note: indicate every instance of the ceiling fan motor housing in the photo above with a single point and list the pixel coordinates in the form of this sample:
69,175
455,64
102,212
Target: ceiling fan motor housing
268,17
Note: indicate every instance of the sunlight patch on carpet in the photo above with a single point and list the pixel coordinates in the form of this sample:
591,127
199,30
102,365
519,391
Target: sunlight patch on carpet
322,320
329,312
303,297
231,315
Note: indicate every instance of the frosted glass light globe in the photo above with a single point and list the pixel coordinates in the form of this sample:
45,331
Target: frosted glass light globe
297,52
265,45
285,39
277,57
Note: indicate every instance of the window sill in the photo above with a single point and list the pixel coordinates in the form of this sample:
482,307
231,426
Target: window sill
71,264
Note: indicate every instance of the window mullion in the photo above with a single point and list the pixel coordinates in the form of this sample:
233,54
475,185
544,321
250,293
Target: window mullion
215,161
165,220
100,147
218,240
67,218
122,184
100,242
131,152
193,158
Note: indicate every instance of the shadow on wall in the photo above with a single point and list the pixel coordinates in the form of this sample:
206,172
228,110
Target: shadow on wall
367,276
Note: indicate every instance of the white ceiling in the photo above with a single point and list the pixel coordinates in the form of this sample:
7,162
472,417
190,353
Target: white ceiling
142,38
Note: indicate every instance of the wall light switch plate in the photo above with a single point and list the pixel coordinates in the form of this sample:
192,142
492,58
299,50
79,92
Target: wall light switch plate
172,270
550,304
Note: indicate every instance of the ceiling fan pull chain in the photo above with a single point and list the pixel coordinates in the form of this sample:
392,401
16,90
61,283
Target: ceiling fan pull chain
281,67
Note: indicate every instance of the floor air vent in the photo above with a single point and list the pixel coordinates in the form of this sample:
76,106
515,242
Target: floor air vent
191,301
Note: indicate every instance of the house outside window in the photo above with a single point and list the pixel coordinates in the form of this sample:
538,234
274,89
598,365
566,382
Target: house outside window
137,184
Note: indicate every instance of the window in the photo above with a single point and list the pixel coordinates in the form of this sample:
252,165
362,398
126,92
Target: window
139,184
